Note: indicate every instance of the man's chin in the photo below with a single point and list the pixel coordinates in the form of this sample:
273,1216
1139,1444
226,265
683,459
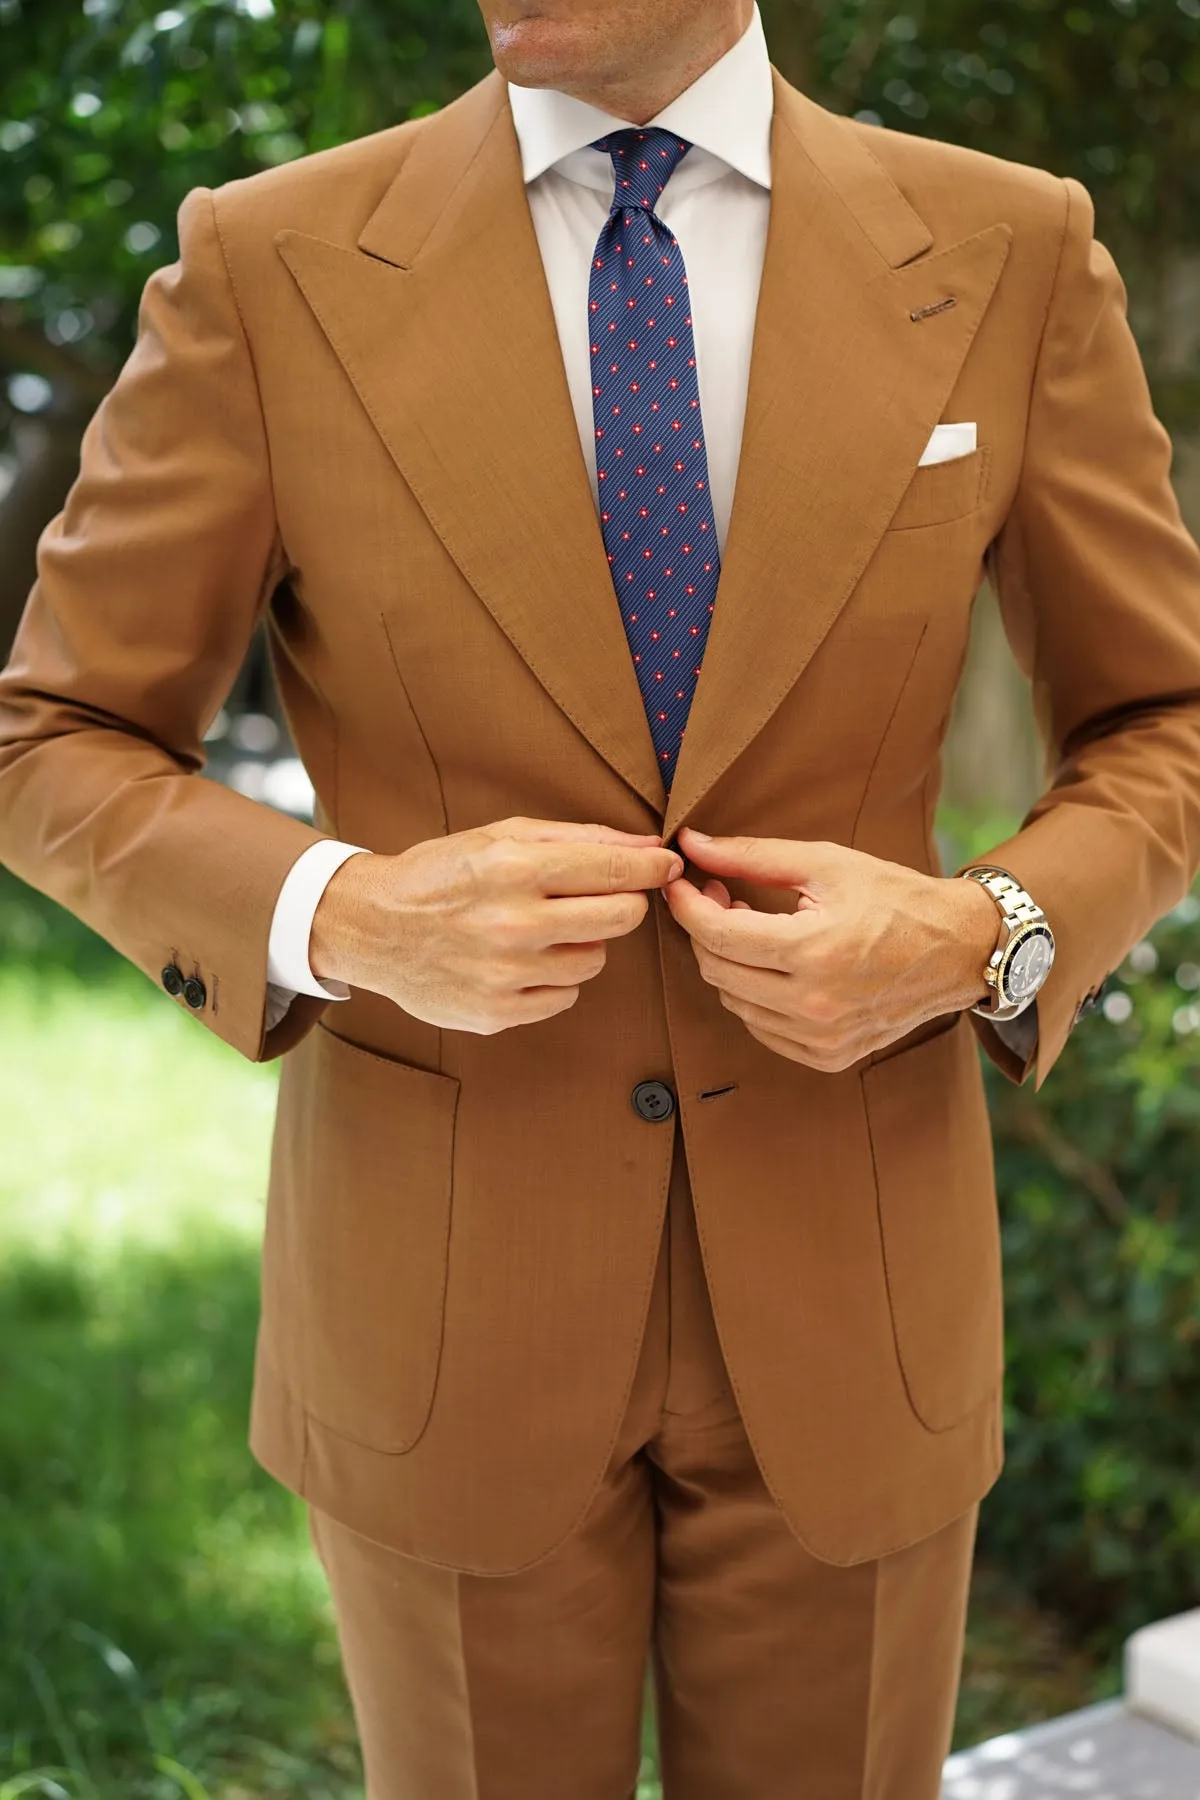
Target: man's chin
540,53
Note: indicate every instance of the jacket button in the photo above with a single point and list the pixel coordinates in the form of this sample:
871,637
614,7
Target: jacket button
172,979
653,1100
194,992
1091,1001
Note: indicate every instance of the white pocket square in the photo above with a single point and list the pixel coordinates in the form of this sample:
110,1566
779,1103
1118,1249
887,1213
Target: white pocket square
949,442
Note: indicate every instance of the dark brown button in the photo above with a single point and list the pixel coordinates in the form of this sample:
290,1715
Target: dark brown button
172,979
1091,1001
653,1100
194,992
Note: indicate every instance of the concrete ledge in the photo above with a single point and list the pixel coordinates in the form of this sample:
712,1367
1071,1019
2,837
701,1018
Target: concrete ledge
1145,1746
1162,1673
1103,1752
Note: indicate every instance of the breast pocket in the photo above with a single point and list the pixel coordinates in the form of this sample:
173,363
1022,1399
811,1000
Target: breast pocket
943,492
365,1155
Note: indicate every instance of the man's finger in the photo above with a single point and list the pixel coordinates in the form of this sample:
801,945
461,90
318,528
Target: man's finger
812,1056
756,986
567,831
766,1018
772,862
759,940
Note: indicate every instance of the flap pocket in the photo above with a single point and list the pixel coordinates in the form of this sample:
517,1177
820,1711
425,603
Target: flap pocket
935,1183
368,1158
920,1034
942,492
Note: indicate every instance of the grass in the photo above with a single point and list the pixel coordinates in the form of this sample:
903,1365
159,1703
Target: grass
164,1628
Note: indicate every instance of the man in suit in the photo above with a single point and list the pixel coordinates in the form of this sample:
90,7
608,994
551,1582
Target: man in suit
668,1324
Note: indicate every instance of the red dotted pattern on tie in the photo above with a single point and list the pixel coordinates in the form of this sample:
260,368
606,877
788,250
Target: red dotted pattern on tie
651,464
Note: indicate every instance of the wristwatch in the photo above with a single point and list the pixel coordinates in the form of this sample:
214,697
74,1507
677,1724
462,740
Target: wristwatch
1018,968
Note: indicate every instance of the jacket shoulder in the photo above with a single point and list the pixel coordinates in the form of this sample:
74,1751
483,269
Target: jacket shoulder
330,193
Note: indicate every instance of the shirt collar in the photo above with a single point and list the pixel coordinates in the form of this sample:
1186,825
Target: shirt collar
726,111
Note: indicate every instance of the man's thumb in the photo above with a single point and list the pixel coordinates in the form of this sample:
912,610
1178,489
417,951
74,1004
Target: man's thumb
775,862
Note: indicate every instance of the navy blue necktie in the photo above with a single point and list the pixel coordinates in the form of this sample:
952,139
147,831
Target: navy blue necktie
651,464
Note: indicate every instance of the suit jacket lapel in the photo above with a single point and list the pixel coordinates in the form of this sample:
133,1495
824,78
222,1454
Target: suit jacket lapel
443,323
845,389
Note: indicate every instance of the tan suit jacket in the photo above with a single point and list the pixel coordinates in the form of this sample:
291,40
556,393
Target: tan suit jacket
347,410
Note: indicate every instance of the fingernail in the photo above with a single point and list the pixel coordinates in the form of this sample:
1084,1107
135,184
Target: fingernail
704,836
676,870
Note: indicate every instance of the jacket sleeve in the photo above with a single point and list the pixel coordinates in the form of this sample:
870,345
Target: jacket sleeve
1098,582
150,583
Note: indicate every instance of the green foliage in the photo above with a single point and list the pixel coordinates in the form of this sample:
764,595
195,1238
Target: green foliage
37,935
162,1619
161,1615
111,110
1108,92
1098,1511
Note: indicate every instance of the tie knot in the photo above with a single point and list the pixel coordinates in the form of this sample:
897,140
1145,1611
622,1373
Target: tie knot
643,162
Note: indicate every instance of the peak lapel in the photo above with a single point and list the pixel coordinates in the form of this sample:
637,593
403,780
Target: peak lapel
845,390
442,320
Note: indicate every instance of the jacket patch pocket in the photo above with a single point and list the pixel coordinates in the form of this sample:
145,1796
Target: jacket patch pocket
942,492
935,1184
370,1170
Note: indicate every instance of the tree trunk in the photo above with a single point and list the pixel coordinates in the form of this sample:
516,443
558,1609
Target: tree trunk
47,457
45,447
1187,480
993,757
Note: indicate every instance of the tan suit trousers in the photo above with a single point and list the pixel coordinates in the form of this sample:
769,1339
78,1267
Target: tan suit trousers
776,1676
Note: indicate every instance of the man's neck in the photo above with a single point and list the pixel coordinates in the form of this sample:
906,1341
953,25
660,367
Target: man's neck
641,99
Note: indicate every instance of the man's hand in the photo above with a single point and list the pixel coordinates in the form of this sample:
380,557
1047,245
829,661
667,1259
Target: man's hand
488,928
872,950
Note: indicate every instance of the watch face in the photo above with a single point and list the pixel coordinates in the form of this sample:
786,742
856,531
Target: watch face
1030,965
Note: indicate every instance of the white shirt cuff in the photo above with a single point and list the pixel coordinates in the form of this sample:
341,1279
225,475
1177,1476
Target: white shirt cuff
288,969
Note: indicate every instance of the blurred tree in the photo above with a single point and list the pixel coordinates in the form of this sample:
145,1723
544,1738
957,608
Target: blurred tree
1108,92
110,110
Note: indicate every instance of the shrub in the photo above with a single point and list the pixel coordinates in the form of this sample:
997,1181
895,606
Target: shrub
1098,1510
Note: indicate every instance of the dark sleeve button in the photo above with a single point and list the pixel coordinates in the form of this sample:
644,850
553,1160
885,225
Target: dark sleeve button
172,979
1091,1001
653,1100
194,992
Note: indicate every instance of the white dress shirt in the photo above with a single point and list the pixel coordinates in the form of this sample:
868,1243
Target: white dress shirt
717,203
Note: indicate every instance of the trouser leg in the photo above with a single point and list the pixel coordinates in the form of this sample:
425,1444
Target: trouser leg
526,1686
510,1687
779,1677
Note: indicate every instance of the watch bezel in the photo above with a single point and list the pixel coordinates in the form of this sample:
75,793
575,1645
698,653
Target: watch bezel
1020,937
